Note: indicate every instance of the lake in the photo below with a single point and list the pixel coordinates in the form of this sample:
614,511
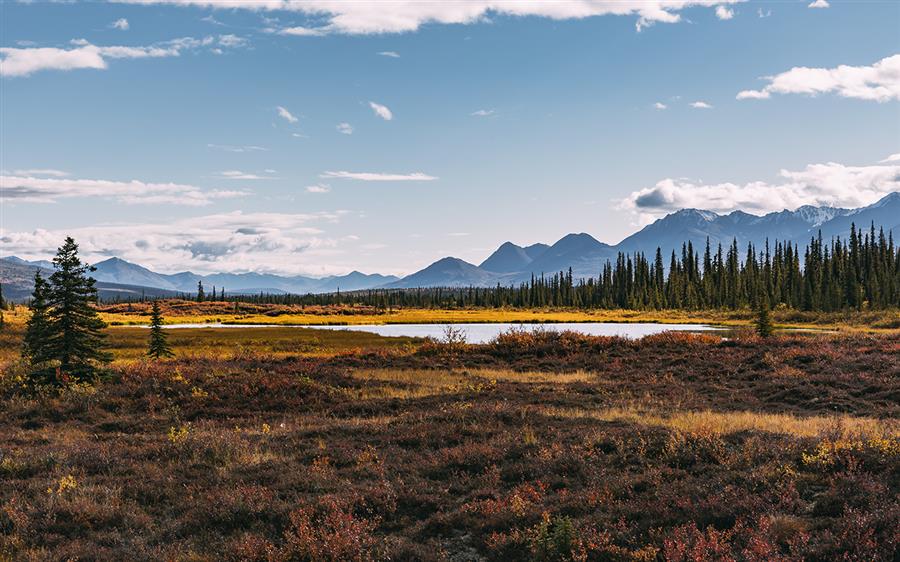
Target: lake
483,333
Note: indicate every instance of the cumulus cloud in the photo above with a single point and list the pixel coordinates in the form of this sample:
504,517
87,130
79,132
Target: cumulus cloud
724,13
819,4
345,128
402,16
32,189
318,188
829,184
660,106
381,111
85,55
879,82
286,115
120,24
373,176
482,113
701,105
391,54
236,241
891,158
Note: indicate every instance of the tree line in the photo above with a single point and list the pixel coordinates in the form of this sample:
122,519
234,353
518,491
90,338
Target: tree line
861,271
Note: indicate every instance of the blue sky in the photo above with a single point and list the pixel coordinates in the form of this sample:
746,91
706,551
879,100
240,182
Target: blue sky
155,131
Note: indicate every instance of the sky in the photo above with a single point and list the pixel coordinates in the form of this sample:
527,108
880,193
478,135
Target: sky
319,137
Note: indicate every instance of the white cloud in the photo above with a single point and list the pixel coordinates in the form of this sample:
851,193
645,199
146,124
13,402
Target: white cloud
26,61
345,128
763,14
239,175
237,242
829,184
391,54
232,148
891,158
233,41
301,31
120,24
286,115
819,4
41,172
373,176
482,113
701,105
401,16
381,111
879,82
318,188
660,106
31,189
724,13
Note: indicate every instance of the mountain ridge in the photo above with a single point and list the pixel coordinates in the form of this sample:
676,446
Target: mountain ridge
512,263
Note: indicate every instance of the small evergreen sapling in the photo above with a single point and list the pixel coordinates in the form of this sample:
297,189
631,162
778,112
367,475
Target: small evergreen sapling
763,322
158,347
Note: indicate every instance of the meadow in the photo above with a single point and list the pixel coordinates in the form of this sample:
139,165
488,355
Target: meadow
190,312
299,444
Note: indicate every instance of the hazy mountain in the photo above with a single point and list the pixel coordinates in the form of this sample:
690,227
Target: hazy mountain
353,281
508,258
447,272
586,255
17,276
582,252
45,264
510,263
116,270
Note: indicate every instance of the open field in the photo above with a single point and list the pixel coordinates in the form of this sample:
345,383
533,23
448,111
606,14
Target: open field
177,312
535,447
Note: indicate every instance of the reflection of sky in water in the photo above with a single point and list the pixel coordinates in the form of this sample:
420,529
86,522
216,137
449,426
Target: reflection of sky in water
482,333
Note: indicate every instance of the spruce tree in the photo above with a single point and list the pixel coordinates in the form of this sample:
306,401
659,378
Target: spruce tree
75,337
37,329
200,295
763,322
158,347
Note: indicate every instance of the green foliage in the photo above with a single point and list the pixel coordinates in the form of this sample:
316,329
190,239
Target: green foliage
763,321
65,328
554,539
158,346
37,330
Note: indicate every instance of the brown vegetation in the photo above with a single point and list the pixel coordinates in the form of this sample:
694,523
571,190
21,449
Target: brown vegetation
539,446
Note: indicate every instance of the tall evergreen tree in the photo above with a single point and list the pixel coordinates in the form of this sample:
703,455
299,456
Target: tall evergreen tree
37,329
200,295
75,338
158,347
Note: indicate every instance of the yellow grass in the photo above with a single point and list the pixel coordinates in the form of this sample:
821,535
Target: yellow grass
419,383
708,421
886,321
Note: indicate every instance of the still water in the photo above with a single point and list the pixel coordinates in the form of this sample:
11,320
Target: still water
482,333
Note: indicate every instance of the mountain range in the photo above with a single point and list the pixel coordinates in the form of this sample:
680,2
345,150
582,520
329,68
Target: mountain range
510,263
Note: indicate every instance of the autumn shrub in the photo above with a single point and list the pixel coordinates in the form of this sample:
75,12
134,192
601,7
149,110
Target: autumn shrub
329,534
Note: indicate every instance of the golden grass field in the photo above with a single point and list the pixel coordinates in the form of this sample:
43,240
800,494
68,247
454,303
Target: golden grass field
178,312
